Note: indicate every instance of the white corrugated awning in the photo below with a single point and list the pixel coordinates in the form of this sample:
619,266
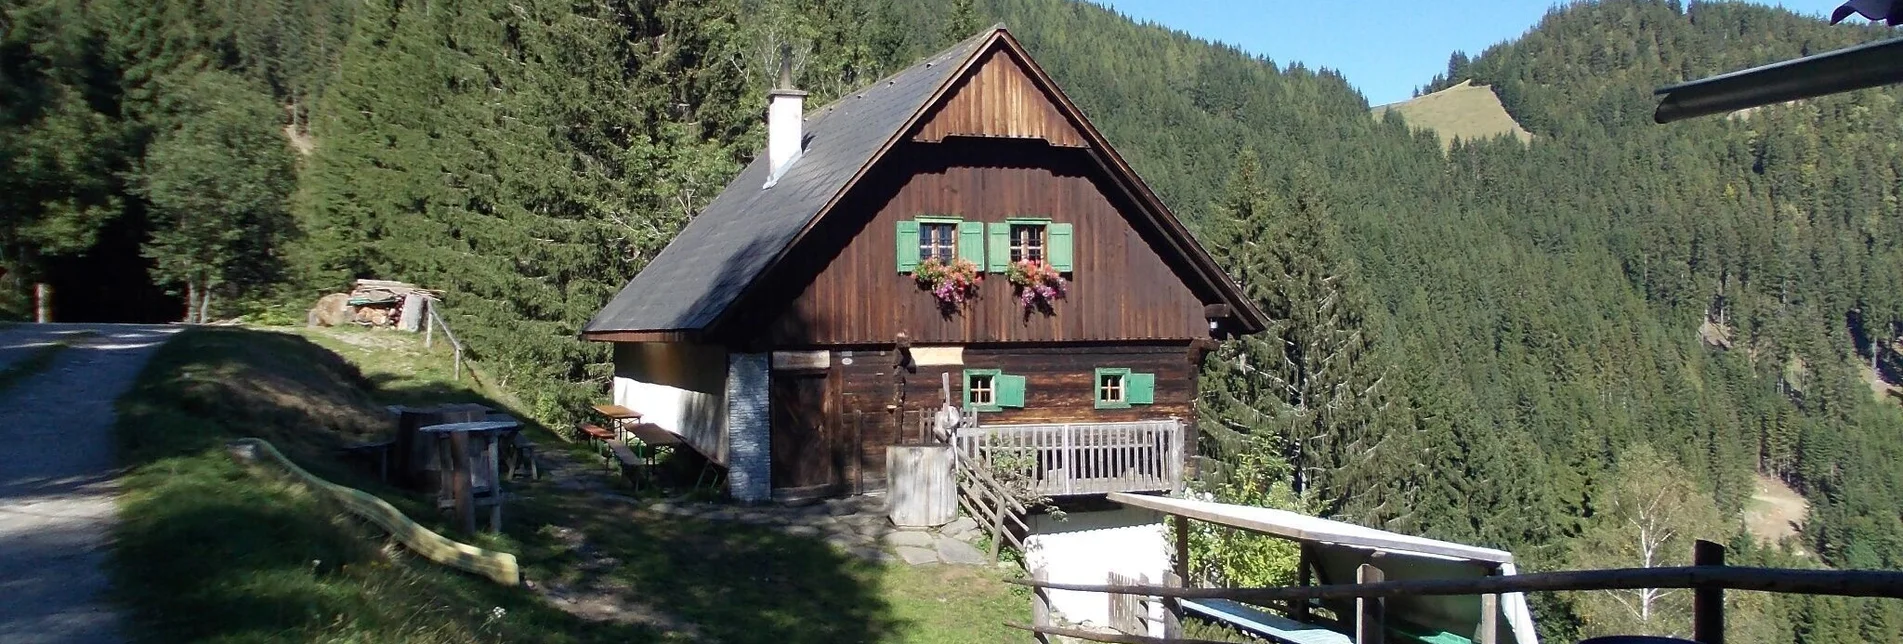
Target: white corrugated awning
1337,548
1301,527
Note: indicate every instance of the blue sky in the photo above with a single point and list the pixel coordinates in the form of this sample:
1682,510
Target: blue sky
1385,47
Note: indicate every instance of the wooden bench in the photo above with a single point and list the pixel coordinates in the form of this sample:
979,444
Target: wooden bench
597,436
522,453
632,466
377,452
1275,628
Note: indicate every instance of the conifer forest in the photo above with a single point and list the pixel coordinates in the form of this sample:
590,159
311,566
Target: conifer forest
1497,342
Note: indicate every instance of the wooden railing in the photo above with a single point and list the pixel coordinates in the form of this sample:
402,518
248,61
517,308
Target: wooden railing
1708,578
1067,459
992,502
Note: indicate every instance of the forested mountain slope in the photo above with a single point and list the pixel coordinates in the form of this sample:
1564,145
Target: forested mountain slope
1518,320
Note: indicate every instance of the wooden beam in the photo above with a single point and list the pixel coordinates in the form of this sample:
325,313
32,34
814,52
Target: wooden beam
637,336
1708,602
1842,583
1217,311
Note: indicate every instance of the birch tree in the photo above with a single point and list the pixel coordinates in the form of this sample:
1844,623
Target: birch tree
1647,514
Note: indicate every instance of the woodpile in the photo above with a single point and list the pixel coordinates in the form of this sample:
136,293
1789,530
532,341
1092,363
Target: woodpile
375,303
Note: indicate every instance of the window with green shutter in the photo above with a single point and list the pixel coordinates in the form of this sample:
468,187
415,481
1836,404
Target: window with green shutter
993,390
1059,252
998,247
908,246
1010,391
971,242
941,238
1119,388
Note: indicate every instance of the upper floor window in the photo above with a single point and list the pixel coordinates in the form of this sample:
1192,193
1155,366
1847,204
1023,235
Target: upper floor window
1027,242
942,238
1036,239
937,240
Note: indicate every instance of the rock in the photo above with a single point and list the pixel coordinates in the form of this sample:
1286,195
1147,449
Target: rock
953,551
908,538
801,531
331,310
958,527
870,553
662,507
841,507
848,541
917,556
868,504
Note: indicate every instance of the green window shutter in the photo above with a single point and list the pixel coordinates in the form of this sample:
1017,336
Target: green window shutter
999,247
1140,388
908,246
971,242
1010,392
1059,251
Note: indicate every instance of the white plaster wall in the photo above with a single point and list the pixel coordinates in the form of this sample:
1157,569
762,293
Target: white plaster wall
1087,546
678,386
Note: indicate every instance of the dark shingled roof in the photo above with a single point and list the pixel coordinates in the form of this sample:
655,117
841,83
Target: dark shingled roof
741,233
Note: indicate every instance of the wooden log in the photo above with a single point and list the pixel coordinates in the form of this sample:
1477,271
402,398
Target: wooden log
1708,602
497,566
1842,583
921,489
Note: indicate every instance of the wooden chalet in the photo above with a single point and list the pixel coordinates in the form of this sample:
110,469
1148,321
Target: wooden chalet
789,331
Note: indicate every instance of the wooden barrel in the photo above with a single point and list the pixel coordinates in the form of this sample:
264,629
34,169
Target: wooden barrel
920,489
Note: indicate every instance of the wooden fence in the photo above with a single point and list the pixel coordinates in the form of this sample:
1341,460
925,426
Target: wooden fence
1708,579
1066,459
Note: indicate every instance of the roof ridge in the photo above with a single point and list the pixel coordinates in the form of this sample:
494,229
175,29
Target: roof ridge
927,61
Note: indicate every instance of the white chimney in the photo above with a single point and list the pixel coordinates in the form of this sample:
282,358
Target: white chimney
786,107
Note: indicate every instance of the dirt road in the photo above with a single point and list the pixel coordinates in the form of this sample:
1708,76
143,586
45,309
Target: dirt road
57,477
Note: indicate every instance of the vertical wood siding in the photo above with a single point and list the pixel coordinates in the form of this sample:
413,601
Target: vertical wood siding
1121,286
998,99
1059,388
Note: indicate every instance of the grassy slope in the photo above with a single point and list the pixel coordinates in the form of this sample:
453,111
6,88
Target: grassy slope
210,552
1465,111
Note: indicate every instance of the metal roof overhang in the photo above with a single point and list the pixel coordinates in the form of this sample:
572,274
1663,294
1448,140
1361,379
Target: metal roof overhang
1843,70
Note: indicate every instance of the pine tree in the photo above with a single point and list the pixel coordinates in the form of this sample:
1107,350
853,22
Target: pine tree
218,181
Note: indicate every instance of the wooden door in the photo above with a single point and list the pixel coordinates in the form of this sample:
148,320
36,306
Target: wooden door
806,448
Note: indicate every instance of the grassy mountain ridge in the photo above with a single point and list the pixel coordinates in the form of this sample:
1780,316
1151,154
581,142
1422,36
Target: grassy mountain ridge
1464,111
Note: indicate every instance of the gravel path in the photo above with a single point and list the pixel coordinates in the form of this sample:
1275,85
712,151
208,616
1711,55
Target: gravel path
56,479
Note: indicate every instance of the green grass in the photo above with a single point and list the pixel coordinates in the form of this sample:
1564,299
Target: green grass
1465,111
208,551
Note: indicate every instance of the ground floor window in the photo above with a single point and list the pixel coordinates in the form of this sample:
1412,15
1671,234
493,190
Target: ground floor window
1119,388
993,390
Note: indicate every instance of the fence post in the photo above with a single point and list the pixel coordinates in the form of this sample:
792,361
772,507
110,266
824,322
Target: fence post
42,302
1489,619
1708,602
1040,605
429,324
1369,620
